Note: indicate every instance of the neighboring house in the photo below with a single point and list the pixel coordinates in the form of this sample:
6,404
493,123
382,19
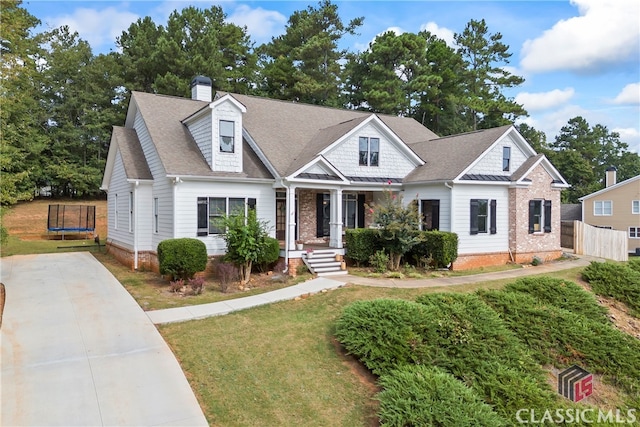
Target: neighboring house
178,163
617,206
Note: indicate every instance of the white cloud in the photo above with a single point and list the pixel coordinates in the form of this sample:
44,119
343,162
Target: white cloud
98,27
544,100
361,47
606,32
630,94
261,24
441,32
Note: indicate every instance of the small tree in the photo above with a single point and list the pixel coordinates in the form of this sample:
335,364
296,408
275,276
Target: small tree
398,226
246,239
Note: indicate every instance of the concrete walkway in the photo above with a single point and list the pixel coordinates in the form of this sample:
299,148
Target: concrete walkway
180,314
77,350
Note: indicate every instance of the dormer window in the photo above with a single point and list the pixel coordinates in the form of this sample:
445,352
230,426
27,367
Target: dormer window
227,134
369,151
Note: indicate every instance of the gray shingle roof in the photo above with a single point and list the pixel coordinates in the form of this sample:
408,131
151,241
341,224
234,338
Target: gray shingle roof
446,158
524,168
135,165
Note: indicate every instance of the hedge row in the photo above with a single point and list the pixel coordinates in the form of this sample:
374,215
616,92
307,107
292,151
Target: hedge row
619,281
440,247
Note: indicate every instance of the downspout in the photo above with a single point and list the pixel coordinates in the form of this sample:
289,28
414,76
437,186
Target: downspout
176,181
135,225
286,230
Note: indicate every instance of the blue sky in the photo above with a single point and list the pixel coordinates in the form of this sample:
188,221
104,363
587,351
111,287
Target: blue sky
579,58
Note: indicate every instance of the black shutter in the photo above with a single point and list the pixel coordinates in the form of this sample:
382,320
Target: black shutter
435,214
474,216
547,216
360,211
203,216
532,208
251,203
319,215
492,211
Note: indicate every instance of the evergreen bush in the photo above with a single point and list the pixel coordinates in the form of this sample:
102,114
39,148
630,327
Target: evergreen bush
439,247
182,258
425,396
361,243
269,254
615,280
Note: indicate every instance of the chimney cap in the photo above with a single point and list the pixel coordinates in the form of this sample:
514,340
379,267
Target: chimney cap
201,80
612,169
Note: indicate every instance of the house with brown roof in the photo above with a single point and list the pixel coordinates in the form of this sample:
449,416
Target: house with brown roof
308,171
617,206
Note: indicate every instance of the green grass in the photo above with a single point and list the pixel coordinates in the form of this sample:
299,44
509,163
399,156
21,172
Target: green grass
16,246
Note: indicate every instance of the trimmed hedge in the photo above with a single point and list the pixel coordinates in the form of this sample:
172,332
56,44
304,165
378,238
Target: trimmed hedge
615,280
182,258
424,396
439,246
361,244
268,254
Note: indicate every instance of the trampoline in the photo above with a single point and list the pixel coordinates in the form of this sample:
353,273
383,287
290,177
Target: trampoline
71,219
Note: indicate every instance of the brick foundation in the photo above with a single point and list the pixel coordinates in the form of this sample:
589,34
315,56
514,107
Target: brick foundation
527,257
147,260
471,261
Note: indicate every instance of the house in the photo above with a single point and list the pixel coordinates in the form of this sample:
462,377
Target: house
308,171
617,206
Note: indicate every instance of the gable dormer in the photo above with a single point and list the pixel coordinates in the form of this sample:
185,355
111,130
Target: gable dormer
504,156
217,130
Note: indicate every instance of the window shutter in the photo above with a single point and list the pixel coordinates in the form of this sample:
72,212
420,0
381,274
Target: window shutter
251,203
435,215
319,214
493,228
532,206
360,211
474,216
547,216
203,216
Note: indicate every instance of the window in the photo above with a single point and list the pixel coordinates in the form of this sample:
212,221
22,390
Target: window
635,207
349,210
369,151
155,214
430,210
602,207
506,158
227,135
483,216
130,211
634,232
211,209
539,216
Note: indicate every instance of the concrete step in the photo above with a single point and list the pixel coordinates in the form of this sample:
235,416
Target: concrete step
322,262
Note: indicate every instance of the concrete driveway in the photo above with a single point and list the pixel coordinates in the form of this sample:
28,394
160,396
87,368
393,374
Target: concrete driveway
77,350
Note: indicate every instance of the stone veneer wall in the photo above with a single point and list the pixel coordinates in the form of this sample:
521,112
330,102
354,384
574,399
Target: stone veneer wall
524,245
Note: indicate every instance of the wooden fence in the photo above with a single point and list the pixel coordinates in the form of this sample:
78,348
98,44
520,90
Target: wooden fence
600,242
566,234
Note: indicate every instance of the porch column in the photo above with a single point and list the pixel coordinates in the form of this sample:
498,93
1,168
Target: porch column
335,233
291,218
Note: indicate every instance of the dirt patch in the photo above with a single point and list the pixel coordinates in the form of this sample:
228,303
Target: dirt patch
28,220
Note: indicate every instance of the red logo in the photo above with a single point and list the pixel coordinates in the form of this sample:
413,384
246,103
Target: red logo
575,383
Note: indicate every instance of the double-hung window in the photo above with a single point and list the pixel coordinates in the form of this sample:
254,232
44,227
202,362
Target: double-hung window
227,136
506,158
539,216
635,207
634,232
483,216
156,213
212,209
602,208
369,151
131,211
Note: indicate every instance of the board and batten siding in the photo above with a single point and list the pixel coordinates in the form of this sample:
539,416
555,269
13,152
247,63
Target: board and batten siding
432,192
187,207
483,242
162,186
392,162
119,190
491,162
201,131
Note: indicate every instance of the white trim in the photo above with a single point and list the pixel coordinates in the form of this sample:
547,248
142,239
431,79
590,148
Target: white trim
620,184
602,209
632,207
637,233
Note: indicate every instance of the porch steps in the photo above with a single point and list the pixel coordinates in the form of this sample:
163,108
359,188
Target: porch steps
322,262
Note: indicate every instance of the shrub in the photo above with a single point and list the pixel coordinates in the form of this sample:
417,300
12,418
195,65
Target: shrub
615,280
227,273
269,254
423,396
379,261
176,285
302,269
536,261
361,243
182,258
197,285
440,248
563,294
634,264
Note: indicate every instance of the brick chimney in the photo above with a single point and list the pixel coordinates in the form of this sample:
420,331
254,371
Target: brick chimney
201,88
610,178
